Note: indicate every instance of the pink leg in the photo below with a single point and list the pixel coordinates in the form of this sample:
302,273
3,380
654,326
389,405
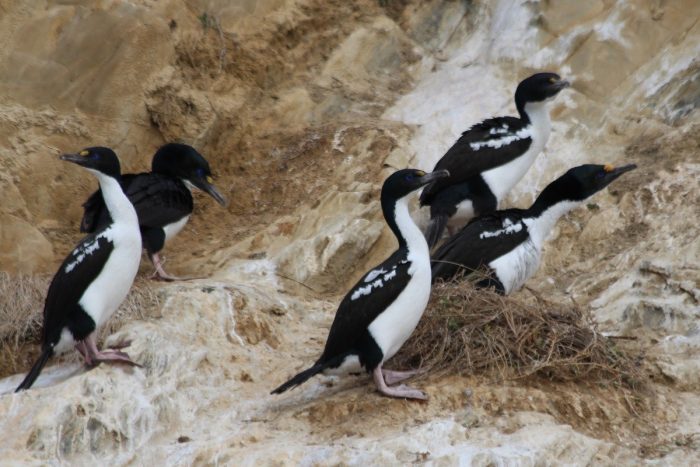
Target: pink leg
396,391
80,347
106,355
393,377
160,273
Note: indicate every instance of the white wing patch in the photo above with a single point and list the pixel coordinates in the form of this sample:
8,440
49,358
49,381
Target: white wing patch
84,251
361,291
373,274
508,228
499,131
375,282
505,140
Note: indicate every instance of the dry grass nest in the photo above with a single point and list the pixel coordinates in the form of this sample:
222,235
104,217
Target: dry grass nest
470,331
21,316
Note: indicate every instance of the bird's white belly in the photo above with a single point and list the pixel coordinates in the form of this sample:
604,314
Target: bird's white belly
173,229
65,342
465,212
394,326
502,179
109,289
515,267
351,364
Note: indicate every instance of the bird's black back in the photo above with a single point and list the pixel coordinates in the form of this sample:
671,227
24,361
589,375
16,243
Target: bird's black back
470,250
78,270
464,163
159,200
353,317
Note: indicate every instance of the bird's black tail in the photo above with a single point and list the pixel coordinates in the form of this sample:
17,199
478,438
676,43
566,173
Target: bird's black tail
46,353
301,377
435,228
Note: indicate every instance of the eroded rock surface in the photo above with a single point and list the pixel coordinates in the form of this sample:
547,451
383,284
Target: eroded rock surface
302,108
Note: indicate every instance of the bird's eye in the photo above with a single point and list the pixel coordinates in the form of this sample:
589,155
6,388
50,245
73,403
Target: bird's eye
199,172
94,156
409,177
600,174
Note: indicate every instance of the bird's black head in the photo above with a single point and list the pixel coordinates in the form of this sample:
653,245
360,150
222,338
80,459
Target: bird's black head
184,162
99,159
403,182
579,183
539,87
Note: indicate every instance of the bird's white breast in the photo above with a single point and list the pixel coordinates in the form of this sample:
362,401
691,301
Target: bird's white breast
395,324
517,266
502,179
109,289
173,229
464,213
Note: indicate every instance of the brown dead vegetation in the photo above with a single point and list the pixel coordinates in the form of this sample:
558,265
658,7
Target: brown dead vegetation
21,308
469,331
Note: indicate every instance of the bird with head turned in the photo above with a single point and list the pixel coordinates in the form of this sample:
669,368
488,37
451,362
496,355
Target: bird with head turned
380,312
162,198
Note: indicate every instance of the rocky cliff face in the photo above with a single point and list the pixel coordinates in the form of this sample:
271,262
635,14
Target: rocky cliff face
302,108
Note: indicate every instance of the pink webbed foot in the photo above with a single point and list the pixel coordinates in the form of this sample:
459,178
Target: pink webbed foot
401,391
393,376
94,356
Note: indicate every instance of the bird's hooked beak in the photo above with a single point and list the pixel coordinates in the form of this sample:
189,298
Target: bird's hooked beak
561,84
76,159
432,176
612,173
206,184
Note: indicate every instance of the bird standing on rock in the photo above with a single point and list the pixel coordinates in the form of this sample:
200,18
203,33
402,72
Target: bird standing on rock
95,278
381,311
162,198
506,245
490,158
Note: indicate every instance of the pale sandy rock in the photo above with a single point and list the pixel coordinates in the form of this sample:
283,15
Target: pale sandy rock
329,238
681,359
293,111
181,113
432,23
216,347
67,43
562,16
369,55
22,247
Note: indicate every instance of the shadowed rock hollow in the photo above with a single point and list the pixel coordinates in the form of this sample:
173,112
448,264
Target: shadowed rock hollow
302,108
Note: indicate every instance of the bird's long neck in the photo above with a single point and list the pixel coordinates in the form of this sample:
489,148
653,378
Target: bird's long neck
536,114
120,208
405,229
544,214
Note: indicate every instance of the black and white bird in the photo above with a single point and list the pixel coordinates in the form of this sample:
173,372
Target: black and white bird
162,198
95,277
504,247
490,158
381,311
